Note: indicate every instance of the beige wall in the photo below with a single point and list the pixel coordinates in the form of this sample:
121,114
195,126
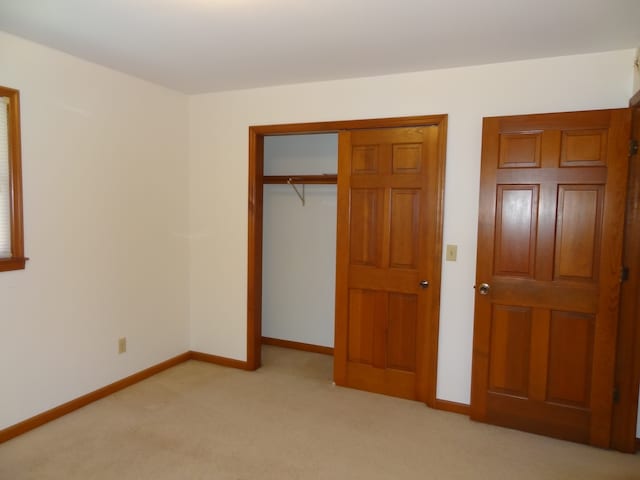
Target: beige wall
218,174
636,72
105,193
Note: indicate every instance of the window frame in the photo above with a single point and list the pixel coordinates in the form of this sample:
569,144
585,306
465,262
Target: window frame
17,260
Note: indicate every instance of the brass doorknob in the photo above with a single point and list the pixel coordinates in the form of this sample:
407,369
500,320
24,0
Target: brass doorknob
484,289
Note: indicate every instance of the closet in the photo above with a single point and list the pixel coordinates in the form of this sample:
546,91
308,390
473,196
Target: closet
295,293
299,240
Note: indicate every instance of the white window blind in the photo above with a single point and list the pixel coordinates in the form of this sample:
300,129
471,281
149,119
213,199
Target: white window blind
5,199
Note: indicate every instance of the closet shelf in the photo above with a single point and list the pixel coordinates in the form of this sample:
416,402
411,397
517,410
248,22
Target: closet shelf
325,179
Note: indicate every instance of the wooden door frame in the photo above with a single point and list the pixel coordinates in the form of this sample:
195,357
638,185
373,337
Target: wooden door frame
627,375
255,207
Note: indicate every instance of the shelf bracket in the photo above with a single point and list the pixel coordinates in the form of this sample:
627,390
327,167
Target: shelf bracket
293,185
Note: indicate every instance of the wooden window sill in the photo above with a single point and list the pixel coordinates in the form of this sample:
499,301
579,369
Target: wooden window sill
12,263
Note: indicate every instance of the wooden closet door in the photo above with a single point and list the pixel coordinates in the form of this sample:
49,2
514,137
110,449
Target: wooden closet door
549,255
388,260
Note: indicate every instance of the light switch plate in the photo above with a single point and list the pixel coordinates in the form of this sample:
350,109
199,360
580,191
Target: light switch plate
452,253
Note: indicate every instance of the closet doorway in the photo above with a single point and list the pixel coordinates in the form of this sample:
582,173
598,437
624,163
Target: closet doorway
425,335
299,241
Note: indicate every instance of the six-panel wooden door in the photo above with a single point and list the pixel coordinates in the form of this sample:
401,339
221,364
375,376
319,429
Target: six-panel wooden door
548,272
390,187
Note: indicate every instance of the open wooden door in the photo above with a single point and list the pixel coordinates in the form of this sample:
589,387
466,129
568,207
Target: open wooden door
389,239
552,204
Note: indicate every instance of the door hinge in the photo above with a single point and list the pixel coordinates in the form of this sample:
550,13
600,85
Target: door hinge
624,274
616,394
633,147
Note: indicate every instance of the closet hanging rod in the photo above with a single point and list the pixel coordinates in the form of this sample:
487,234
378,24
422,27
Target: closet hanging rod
293,185
323,179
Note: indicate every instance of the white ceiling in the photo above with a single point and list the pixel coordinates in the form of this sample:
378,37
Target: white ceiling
199,46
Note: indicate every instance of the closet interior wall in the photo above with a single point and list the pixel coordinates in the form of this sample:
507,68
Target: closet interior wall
299,241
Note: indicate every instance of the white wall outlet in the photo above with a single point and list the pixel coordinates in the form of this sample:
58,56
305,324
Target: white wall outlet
122,345
452,253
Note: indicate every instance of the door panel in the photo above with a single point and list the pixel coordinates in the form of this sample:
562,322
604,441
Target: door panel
584,148
510,342
362,325
403,247
366,232
570,358
549,245
516,226
389,237
578,225
519,150
401,333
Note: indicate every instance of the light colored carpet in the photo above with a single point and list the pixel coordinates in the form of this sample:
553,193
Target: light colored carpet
286,421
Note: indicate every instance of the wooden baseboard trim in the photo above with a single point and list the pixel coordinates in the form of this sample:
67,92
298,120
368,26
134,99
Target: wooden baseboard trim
222,361
637,444
454,407
68,407
305,347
